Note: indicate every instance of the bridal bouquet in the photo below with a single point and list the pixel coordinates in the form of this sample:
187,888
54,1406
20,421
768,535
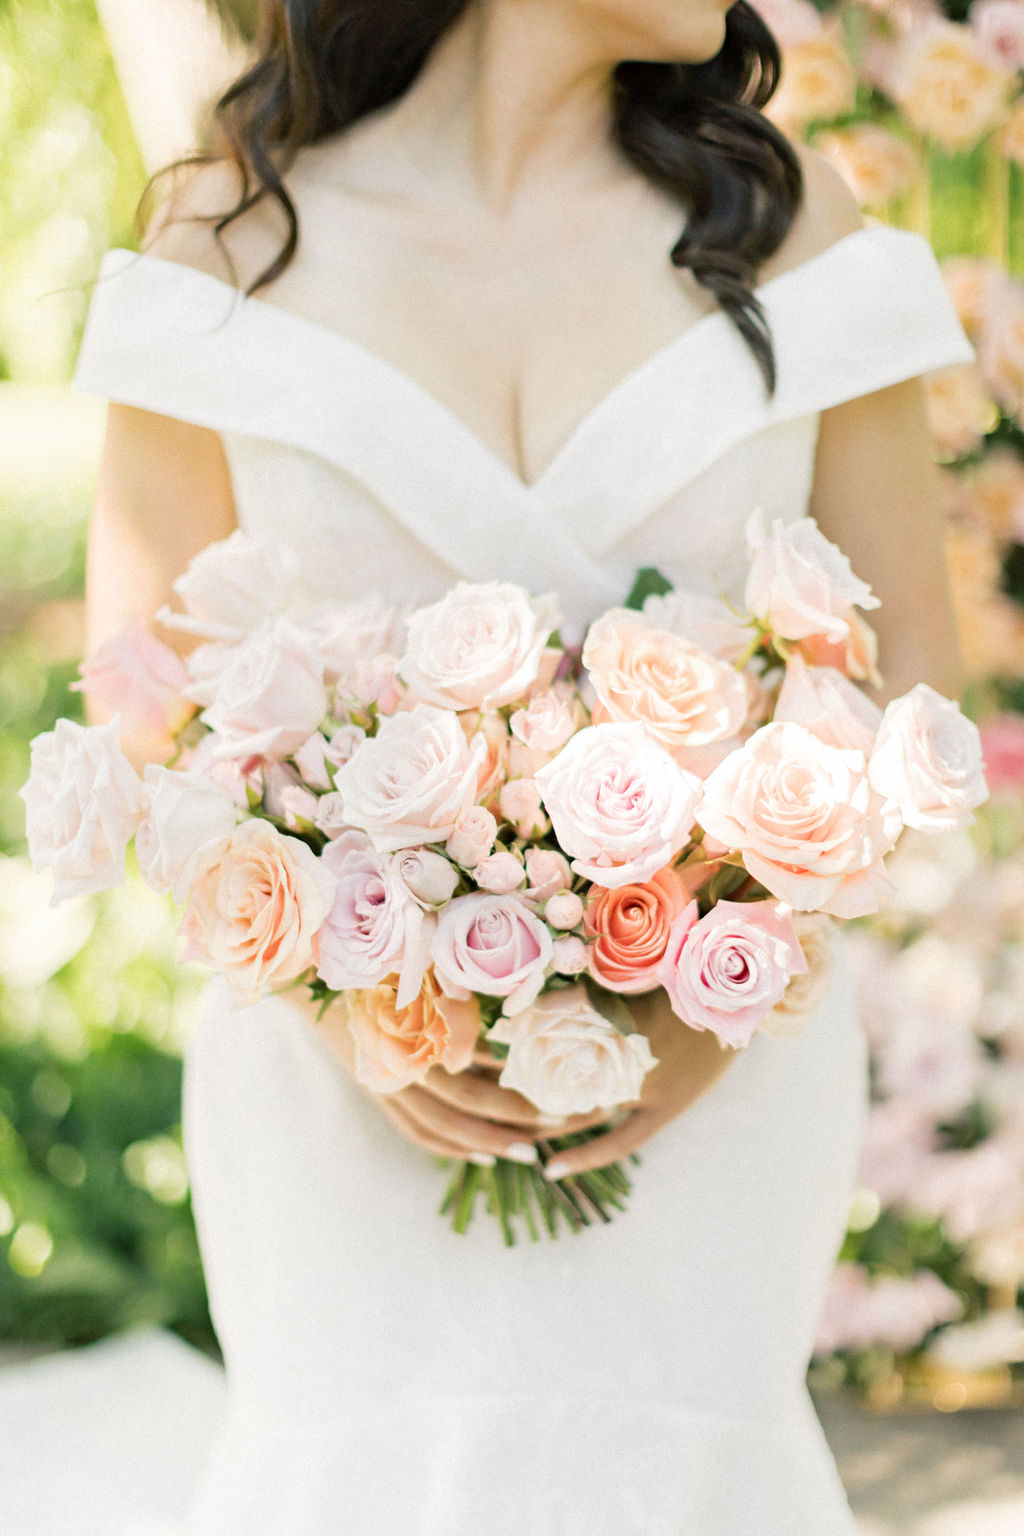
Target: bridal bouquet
464,833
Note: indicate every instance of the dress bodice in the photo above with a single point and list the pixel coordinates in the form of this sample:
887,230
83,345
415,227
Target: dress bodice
370,478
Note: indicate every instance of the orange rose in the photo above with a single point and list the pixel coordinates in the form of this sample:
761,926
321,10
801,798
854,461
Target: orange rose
631,927
398,1046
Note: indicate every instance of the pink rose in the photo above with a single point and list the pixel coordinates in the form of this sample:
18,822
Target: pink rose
184,814
827,703
998,26
473,836
684,696
330,815
548,721
234,586
519,802
800,583
143,678
618,802
396,1046
377,685
354,635
270,696
547,872
374,928
927,758
480,647
1002,747
408,784
809,824
258,901
488,734
567,1059
725,971
83,801
631,927
491,944
500,873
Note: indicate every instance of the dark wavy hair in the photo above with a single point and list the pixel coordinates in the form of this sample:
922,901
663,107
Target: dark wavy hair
694,130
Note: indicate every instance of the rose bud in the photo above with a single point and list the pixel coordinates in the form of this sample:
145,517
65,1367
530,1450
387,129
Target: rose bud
569,956
428,876
473,837
564,910
499,873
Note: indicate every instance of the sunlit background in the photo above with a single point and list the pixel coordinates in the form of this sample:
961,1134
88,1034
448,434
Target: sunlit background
922,109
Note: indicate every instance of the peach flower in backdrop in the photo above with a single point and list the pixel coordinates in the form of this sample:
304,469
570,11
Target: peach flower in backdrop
819,82
960,409
398,1046
946,86
996,493
258,901
998,26
630,927
1011,135
1002,745
877,165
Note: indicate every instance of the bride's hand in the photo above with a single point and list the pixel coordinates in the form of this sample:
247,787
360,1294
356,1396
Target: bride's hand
461,1115
689,1061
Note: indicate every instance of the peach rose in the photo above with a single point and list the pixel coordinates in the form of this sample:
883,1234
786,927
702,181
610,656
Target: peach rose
478,648
83,802
807,820
946,87
818,83
960,409
726,970
927,758
258,901
876,164
684,696
856,656
800,583
815,933
140,676
705,621
619,803
398,1046
409,784
567,1059
630,927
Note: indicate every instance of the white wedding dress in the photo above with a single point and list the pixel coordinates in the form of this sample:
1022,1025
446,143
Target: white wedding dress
387,1377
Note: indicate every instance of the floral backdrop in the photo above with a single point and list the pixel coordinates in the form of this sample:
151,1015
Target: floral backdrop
921,109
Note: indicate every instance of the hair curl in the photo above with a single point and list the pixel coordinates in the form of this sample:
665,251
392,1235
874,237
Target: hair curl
694,130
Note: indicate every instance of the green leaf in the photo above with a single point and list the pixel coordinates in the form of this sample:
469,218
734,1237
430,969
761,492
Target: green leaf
649,582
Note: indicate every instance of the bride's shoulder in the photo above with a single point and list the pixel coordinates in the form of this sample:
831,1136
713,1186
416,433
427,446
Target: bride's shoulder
828,211
199,219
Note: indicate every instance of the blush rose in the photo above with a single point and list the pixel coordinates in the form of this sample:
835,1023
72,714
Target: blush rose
480,647
491,944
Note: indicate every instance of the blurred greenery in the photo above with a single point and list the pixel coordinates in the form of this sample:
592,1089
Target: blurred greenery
95,1227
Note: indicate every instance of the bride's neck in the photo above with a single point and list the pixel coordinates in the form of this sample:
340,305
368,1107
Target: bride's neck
514,98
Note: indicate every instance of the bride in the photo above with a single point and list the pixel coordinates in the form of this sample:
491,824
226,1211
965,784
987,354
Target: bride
540,295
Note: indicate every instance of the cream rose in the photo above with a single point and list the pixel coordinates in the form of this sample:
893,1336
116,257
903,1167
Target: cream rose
684,696
491,944
83,801
408,784
233,587
270,696
429,877
480,647
816,933
618,802
799,582
567,1059
927,758
724,971
258,901
804,815
397,1046
183,816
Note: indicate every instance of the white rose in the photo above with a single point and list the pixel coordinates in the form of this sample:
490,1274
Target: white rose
83,800
619,803
927,757
567,1059
408,784
815,933
270,697
233,586
799,583
480,647
183,815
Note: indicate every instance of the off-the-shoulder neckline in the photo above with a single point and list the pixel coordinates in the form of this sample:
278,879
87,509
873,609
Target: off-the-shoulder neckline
421,400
